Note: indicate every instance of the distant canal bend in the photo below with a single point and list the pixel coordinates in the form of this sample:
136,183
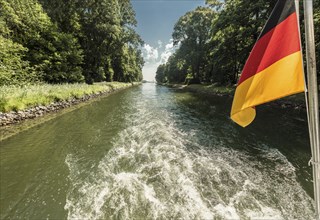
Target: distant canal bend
151,152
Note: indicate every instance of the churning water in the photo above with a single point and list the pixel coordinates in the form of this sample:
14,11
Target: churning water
156,153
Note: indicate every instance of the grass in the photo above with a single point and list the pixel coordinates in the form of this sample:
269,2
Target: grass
15,98
212,88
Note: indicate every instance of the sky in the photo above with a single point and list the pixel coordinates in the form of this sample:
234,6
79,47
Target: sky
156,19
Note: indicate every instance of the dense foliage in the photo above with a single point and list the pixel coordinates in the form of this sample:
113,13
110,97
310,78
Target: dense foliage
215,41
59,41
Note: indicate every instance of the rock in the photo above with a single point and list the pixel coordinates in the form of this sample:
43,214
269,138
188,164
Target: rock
33,112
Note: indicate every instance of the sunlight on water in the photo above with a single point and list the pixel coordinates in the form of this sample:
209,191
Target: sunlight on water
156,170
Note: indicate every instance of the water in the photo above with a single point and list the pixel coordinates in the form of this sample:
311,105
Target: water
152,152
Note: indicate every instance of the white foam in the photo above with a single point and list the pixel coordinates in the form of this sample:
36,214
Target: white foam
226,212
266,213
157,171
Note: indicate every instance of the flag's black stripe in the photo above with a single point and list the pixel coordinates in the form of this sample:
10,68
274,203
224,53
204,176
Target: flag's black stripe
282,10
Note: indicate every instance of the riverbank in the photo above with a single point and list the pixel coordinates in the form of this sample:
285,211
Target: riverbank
20,103
295,101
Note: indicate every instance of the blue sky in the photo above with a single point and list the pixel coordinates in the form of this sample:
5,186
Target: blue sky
156,19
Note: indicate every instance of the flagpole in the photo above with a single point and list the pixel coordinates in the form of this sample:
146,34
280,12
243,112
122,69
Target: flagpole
297,4
313,101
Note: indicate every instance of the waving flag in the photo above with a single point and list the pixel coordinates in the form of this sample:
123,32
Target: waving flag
274,68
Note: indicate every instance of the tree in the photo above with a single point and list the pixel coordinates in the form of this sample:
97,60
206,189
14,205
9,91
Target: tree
104,29
214,44
13,69
160,74
193,32
54,55
128,61
234,34
73,40
65,14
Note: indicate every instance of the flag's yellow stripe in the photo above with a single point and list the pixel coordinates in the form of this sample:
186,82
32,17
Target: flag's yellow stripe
283,78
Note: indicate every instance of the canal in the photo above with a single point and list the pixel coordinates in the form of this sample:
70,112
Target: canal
152,152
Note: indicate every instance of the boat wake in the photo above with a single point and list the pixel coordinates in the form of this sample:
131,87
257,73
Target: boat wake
155,171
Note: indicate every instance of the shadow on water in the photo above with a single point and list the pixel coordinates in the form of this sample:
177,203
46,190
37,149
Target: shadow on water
153,152
284,129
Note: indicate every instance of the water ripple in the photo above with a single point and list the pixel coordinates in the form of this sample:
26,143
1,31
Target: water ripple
156,170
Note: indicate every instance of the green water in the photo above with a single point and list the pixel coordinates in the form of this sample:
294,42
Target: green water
151,152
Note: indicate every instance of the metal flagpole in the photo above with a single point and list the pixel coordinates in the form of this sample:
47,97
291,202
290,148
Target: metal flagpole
313,101
304,75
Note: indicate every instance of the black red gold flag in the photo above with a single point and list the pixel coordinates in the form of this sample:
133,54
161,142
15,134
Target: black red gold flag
274,68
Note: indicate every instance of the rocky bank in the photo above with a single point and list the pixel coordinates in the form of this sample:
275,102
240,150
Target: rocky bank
15,117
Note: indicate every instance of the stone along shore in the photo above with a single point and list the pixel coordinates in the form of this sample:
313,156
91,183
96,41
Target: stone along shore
14,117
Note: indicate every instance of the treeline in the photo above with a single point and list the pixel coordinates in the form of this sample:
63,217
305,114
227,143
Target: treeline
215,41
59,41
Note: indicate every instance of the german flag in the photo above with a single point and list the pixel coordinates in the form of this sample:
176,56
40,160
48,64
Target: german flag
274,68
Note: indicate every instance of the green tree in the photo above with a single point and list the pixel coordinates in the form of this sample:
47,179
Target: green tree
65,14
193,32
104,29
234,35
128,61
54,55
13,69
160,74
233,28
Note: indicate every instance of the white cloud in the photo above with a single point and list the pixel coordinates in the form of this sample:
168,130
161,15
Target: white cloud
169,50
165,56
169,46
154,56
149,71
150,53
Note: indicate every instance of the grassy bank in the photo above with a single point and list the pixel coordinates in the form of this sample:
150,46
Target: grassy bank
15,98
297,100
211,89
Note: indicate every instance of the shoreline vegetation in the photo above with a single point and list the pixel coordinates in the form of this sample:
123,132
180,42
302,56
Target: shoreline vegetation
209,89
53,59
296,101
213,42
19,103
58,42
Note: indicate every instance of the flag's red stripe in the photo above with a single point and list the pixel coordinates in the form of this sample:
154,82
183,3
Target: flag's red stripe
278,43
282,10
